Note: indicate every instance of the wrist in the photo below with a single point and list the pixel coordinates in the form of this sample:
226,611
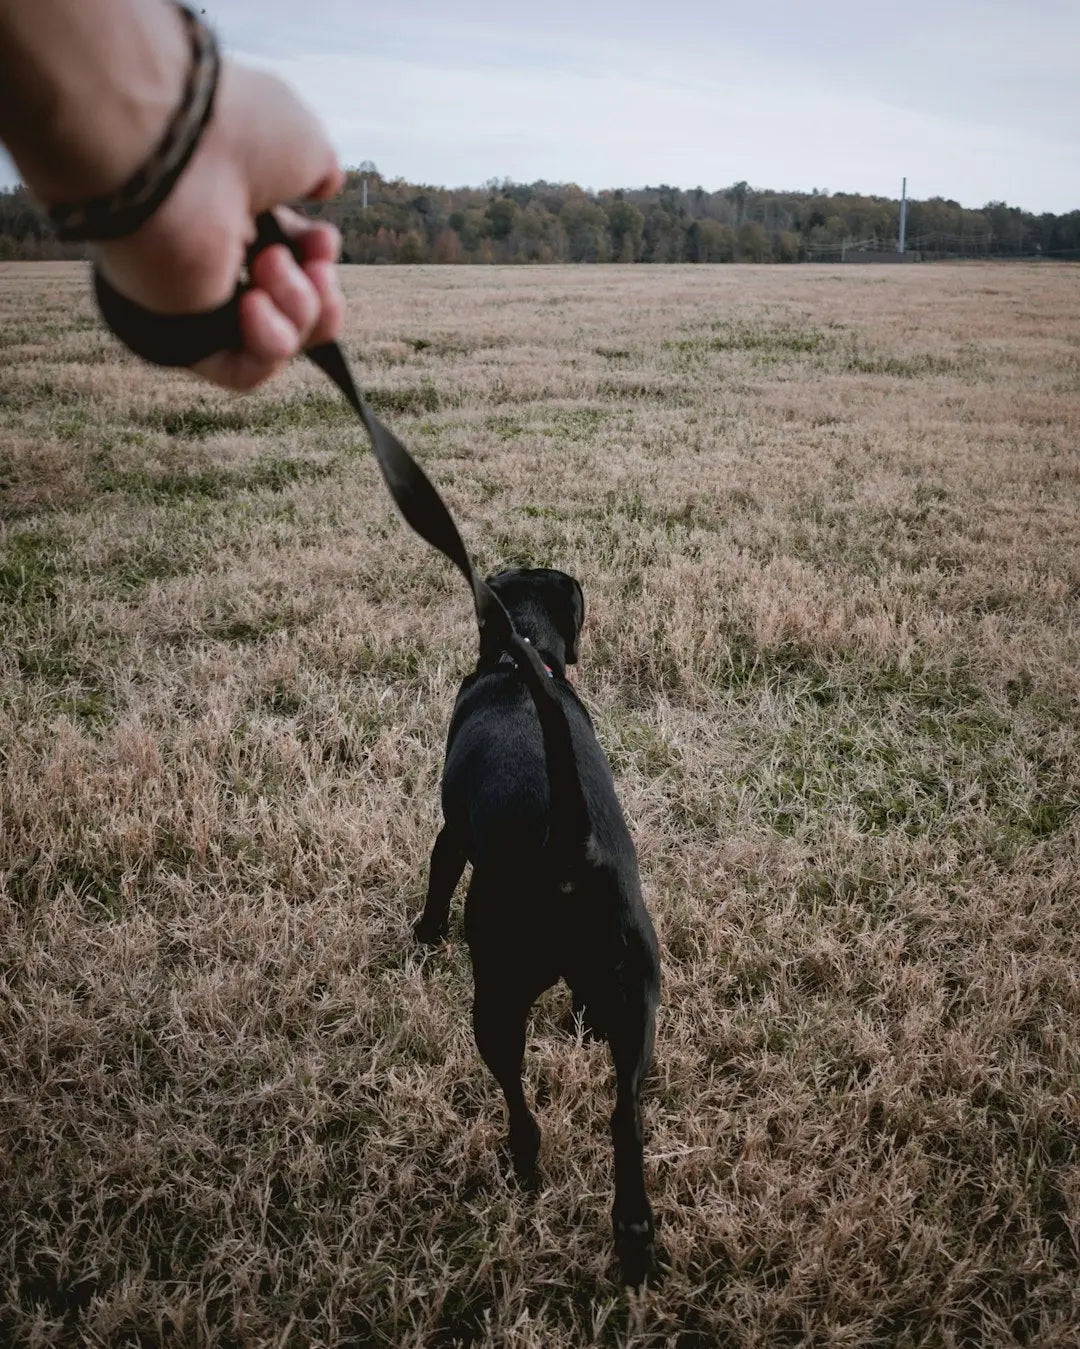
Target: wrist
89,89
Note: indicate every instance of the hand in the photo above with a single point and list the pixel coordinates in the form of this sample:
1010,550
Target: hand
262,147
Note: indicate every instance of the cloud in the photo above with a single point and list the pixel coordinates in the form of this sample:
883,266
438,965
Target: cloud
454,121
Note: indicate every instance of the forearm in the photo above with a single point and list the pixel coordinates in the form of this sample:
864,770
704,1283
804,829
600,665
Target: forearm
86,89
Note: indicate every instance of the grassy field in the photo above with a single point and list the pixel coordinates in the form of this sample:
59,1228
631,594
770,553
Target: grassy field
828,526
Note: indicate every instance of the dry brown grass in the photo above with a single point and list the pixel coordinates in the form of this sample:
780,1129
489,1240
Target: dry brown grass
828,527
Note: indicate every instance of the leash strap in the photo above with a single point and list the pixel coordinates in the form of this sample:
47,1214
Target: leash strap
183,339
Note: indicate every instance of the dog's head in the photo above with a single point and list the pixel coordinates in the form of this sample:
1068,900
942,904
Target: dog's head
547,606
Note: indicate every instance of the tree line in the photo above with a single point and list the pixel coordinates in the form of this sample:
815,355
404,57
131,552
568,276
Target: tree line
389,220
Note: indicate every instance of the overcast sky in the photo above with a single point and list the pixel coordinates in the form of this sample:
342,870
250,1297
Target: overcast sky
972,99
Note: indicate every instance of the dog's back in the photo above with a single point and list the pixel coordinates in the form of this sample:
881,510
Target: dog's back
495,780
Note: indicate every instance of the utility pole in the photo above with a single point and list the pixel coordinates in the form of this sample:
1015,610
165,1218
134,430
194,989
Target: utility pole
363,198
903,214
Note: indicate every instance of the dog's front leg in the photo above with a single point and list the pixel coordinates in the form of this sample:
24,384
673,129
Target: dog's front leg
447,864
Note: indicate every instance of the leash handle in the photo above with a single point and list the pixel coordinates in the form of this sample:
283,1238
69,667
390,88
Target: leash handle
184,339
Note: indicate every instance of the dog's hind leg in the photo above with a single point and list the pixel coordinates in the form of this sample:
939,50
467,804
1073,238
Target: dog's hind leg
630,1033
499,1016
447,864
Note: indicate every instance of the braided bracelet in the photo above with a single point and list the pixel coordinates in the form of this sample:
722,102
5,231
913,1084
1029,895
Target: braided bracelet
122,212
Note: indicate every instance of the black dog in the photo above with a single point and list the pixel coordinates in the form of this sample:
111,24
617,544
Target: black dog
528,799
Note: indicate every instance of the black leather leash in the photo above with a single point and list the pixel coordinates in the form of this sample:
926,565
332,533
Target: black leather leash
183,339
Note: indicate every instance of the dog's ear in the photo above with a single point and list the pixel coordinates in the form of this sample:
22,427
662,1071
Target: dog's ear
575,618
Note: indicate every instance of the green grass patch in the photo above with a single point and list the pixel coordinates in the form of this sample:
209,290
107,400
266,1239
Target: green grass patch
919,366
574,424
32,562
312,409
750,337
412,400
268,474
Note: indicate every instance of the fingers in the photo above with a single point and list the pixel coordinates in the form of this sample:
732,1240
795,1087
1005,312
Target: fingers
293,306
270,339
293,300
289,308
320,247
327,327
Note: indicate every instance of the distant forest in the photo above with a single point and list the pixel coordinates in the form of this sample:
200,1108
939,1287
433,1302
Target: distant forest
505,222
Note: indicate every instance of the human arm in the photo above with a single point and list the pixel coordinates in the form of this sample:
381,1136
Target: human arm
85,91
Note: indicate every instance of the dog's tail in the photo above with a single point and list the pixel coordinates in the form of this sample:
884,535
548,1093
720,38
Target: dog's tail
571,827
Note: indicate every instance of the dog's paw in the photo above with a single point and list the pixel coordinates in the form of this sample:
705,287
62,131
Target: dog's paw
430,934
635,1247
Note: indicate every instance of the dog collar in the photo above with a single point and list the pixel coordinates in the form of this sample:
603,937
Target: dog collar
507,659
547,667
